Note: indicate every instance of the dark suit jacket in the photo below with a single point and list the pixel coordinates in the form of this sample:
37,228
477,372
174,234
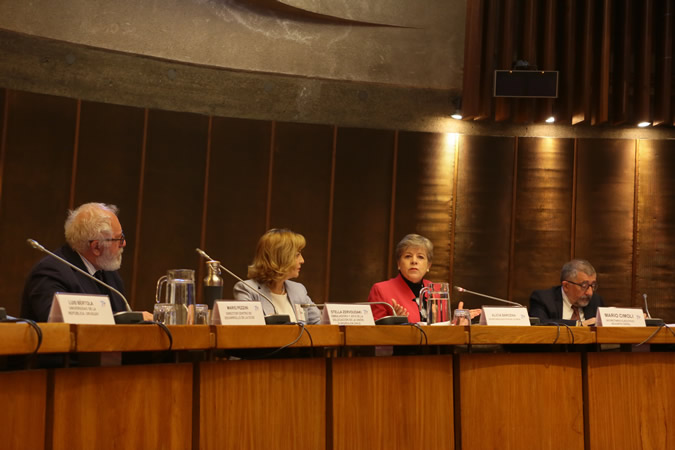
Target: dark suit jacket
51,275
547,304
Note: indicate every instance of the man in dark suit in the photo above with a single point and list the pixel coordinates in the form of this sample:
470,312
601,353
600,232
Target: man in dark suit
574,302
95,243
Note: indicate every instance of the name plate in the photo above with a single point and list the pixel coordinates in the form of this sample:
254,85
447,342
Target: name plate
346,314
87,309
233,312
619,317
505,315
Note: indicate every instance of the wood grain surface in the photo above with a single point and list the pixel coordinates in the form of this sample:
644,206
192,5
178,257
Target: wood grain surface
630,400
23,399
392,403
145,406
269,404
518,401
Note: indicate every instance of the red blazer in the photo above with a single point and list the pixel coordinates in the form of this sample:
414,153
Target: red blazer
397,289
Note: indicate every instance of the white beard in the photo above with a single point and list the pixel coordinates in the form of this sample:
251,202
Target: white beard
108,261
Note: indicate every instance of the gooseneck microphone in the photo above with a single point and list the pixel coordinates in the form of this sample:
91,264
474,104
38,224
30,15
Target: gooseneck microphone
650,321
123,317
461,289
394,319
270,320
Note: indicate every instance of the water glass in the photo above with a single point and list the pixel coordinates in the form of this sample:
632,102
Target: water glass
461,317
201,314
164,313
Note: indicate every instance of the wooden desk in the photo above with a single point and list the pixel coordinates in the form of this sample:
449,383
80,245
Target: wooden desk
21,339
481,334
270,336
633,335
405,335
135,338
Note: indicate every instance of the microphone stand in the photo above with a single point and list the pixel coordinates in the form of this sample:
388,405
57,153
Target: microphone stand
533,320
122,317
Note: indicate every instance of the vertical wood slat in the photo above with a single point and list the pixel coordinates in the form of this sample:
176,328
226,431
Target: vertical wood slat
36,182
663,84
76,144
503,105
547,57
4,106
199,275
525,106
331,218
543,214
139,209
484,199
621,73
604,216
568,67
656,227
392,208
237,193
488,66
424,194
111,136
643,63
300,192
473,43
583,101
172,194
363,177
602,96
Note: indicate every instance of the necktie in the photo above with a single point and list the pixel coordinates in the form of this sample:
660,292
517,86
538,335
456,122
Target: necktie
575,312
102,289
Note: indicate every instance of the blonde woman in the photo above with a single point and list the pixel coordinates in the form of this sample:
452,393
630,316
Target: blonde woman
278,259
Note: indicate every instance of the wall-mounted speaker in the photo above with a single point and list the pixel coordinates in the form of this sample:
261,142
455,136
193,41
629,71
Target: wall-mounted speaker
526,83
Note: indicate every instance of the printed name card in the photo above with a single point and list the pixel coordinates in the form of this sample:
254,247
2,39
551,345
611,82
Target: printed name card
81,309
505,315
619,317
346,314
234,312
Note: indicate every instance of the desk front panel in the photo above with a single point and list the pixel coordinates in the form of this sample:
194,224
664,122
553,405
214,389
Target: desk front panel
22,409
266,404
398,402
521,400
631,400
144,406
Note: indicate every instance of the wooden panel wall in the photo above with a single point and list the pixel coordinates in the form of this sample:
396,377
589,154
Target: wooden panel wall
655,263
360,236
504,213
543,213
484,216
604,213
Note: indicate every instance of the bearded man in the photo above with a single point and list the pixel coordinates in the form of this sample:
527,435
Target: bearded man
94,243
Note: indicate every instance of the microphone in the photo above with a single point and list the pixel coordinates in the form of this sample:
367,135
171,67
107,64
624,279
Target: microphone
394,319
649,321
533,320
275,319
461,289
122,317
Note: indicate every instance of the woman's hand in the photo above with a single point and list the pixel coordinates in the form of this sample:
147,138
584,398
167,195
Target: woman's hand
398,309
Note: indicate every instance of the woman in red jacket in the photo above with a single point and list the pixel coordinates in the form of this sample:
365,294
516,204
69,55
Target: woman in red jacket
413,257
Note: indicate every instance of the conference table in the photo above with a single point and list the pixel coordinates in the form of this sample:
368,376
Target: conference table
353,387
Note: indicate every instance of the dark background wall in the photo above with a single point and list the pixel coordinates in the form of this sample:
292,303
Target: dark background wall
504,212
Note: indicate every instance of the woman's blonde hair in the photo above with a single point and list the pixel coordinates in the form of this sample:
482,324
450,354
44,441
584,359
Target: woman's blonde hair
275,255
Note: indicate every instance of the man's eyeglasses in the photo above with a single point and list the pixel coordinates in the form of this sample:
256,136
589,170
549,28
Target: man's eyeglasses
120,239
585,285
